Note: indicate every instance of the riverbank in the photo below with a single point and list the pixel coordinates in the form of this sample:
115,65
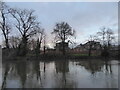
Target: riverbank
55,57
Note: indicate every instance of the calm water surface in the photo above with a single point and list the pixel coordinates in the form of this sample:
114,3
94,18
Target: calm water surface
61,74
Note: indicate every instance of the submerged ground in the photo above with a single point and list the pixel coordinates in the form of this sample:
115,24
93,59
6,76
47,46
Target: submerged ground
61,74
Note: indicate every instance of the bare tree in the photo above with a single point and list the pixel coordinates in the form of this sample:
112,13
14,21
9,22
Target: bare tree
32,44
41,37
14,42
92,42
26,24
102,33
110,37
39,41
4,26
37,49
107,37
62,32
44,47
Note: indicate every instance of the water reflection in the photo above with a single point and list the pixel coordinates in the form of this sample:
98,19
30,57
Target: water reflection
108,67
61,74
21,69
37,70
92,66
6,70
62,67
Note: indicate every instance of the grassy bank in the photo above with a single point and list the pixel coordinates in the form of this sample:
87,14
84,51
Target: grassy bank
50,56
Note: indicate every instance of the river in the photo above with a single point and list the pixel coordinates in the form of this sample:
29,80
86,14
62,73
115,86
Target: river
60,74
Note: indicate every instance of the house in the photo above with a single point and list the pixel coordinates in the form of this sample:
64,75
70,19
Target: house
59,46
84,48
94,45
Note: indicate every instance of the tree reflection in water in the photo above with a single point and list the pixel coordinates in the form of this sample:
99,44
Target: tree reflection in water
36,68
108,66
61,73
7,68
62,67
21,69
96,65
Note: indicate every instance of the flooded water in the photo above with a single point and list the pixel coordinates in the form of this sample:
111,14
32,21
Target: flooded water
60,74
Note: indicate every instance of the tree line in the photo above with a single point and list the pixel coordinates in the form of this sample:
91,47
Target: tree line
106,38
26,23
32,35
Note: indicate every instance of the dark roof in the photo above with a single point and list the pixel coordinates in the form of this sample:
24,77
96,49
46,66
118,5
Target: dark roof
93,42
82,45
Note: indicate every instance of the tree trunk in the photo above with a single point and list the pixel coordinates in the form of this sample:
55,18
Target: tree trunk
7,44
37,49
22,50
89,52
44,49
3,30
63,43
90,48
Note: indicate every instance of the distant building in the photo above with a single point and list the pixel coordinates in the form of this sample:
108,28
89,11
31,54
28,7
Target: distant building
59,46
95,45
83,48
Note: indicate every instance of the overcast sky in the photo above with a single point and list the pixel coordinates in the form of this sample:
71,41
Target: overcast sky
85,17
